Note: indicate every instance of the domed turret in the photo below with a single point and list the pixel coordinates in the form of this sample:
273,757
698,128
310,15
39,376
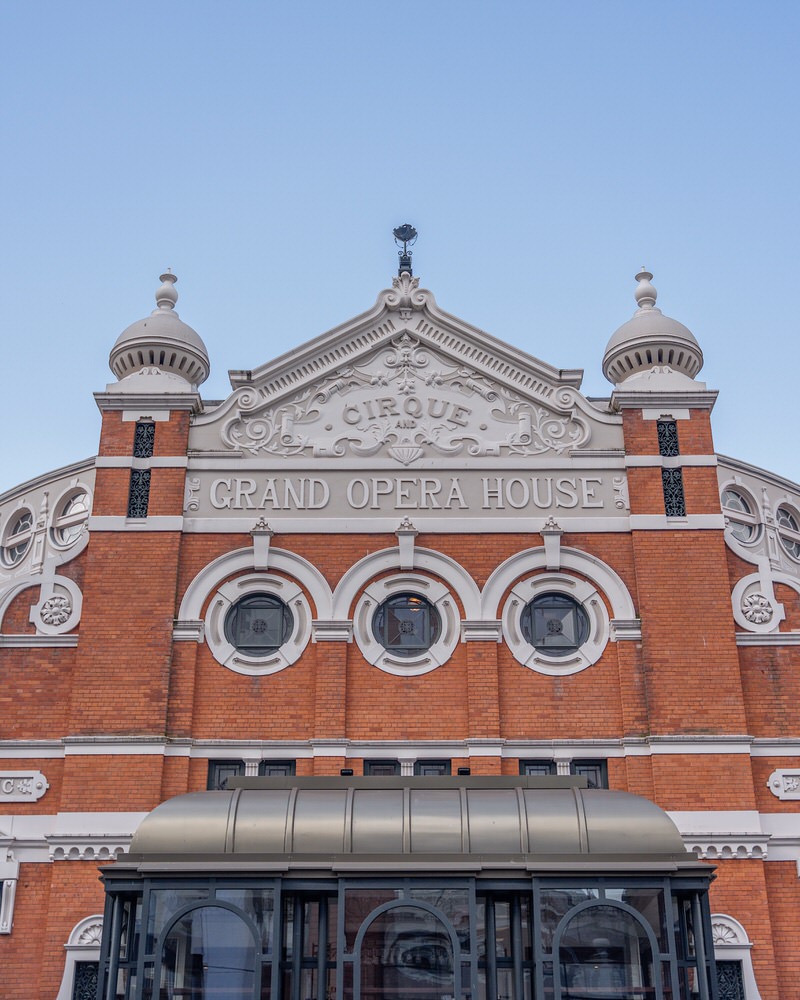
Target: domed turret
650,340
161,341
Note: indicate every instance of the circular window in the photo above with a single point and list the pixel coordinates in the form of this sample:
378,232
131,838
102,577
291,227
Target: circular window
258,624
70,518
789,531
406,624
555,624
740,515
18,536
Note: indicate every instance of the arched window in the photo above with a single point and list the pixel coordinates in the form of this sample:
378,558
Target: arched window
208,954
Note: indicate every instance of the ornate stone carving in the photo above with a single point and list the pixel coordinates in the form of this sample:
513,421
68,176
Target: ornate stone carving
406,401
621,500
56,610
723,934
91,934
757,609
22,786
785,784
191,501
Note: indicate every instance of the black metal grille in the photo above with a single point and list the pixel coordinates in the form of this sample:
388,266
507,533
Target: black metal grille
144,439
730,985
139,495
667,438
85,985
674,501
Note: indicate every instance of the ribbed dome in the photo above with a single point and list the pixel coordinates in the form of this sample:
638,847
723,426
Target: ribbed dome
161,341
649,340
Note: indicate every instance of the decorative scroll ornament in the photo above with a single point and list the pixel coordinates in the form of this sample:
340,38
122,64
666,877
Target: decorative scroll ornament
407,402
723,934
757,609
56,610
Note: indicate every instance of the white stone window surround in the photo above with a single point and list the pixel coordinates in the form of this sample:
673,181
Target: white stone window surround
9,876
62,520
426,660
734,517
16,533
731,944
284,589
585,594
83,945
788,536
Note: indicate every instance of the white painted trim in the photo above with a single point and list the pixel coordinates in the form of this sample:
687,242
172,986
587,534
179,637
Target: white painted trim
129,462
583,458
290,651
732,944
768,639
156,522
448,524
692,522
83,945
9,876
10,641
669,413
527,562
425,561
669,462
406,666
241,560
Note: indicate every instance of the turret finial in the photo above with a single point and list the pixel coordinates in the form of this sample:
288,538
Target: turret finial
166,296
645,293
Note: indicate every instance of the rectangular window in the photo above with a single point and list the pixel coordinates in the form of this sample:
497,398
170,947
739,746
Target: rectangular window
595,772
276,768
667,431
144,439
220,770
139,493
674,501
381,767
537,767
431,768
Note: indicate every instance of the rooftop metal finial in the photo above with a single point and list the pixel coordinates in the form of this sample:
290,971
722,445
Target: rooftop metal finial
407,235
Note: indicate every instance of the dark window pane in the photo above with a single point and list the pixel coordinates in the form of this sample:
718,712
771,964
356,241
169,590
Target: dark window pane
537,767
432,767
382,767
595,772
276,768
85,984
555,624
667,438
220,770
406,624
258,624
674,502
139,493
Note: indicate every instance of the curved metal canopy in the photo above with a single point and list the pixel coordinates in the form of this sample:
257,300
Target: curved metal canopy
511,821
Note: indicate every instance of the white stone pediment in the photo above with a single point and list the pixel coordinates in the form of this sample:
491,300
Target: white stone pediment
408,384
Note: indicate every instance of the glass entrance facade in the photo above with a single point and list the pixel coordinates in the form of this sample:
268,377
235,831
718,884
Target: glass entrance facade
550,937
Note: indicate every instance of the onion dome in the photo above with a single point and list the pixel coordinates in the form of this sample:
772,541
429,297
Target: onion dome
650,340
161,341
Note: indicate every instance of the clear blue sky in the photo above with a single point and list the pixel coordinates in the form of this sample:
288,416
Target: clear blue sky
264,151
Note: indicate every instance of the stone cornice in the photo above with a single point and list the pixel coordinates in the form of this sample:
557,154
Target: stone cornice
622,399
107,401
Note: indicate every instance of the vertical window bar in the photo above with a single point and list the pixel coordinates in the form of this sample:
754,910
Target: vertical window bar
139,493
674,500
144,439
667,431
517,950
322,949
491,951
297,947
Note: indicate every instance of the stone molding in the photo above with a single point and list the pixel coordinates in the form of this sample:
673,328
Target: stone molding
784,783
22,786
722,846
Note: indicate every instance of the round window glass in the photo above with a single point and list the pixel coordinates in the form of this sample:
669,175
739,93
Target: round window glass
258,624
741,519
406,624
555,624
68,524
18,538
789,531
